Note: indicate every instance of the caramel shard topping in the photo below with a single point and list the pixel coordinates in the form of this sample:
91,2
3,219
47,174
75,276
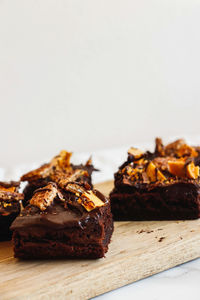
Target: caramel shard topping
176,158
151,172
10,196
8,192
177,168
160,176
134,173
41,172
141,161
44,197
159,147
8,189
59,162
86,198
150,175
178,149
76,174
192,171
90,201
131,171
162,162
186,150
136,153
172,148
75,189
63,178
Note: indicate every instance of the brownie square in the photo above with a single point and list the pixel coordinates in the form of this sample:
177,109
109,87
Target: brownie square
163,185
65,218
9,207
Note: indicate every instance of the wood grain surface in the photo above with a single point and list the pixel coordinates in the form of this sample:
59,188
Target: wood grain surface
137,250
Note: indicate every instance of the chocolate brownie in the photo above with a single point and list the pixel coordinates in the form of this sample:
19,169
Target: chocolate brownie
163,185
60,163
9,207
66,218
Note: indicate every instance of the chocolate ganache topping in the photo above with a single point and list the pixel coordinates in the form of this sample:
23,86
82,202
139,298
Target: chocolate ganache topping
61,205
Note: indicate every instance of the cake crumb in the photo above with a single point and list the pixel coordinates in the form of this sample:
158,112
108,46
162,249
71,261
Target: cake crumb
144,230
161,239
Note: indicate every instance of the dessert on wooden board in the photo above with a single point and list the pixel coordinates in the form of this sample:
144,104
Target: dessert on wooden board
9,207
65,217
163,185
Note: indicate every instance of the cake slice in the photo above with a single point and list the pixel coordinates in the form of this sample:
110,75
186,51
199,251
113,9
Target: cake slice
163,185
9,207
60,163
65,218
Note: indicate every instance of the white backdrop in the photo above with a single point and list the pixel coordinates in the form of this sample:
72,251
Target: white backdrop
88,75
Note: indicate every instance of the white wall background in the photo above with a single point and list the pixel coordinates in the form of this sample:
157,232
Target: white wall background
87,75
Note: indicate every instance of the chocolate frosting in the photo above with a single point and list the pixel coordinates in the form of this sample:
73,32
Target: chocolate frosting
59,215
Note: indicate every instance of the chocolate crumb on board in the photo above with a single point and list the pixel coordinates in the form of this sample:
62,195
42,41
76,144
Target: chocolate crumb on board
161,239
144,230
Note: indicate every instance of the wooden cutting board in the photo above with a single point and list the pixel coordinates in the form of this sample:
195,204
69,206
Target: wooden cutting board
137,250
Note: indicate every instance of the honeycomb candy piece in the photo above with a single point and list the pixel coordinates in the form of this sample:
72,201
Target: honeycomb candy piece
10,196
172,148
63,178
134,173
140,161
162,162
87,198
136,153
41,172
160,176
59,162
179,148
44,197
151,172
186,150
75,175
177,168
9,191
131,171
90,201
192,171
75,188
11,186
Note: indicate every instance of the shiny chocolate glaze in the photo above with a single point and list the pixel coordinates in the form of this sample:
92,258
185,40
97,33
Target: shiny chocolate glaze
60,214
